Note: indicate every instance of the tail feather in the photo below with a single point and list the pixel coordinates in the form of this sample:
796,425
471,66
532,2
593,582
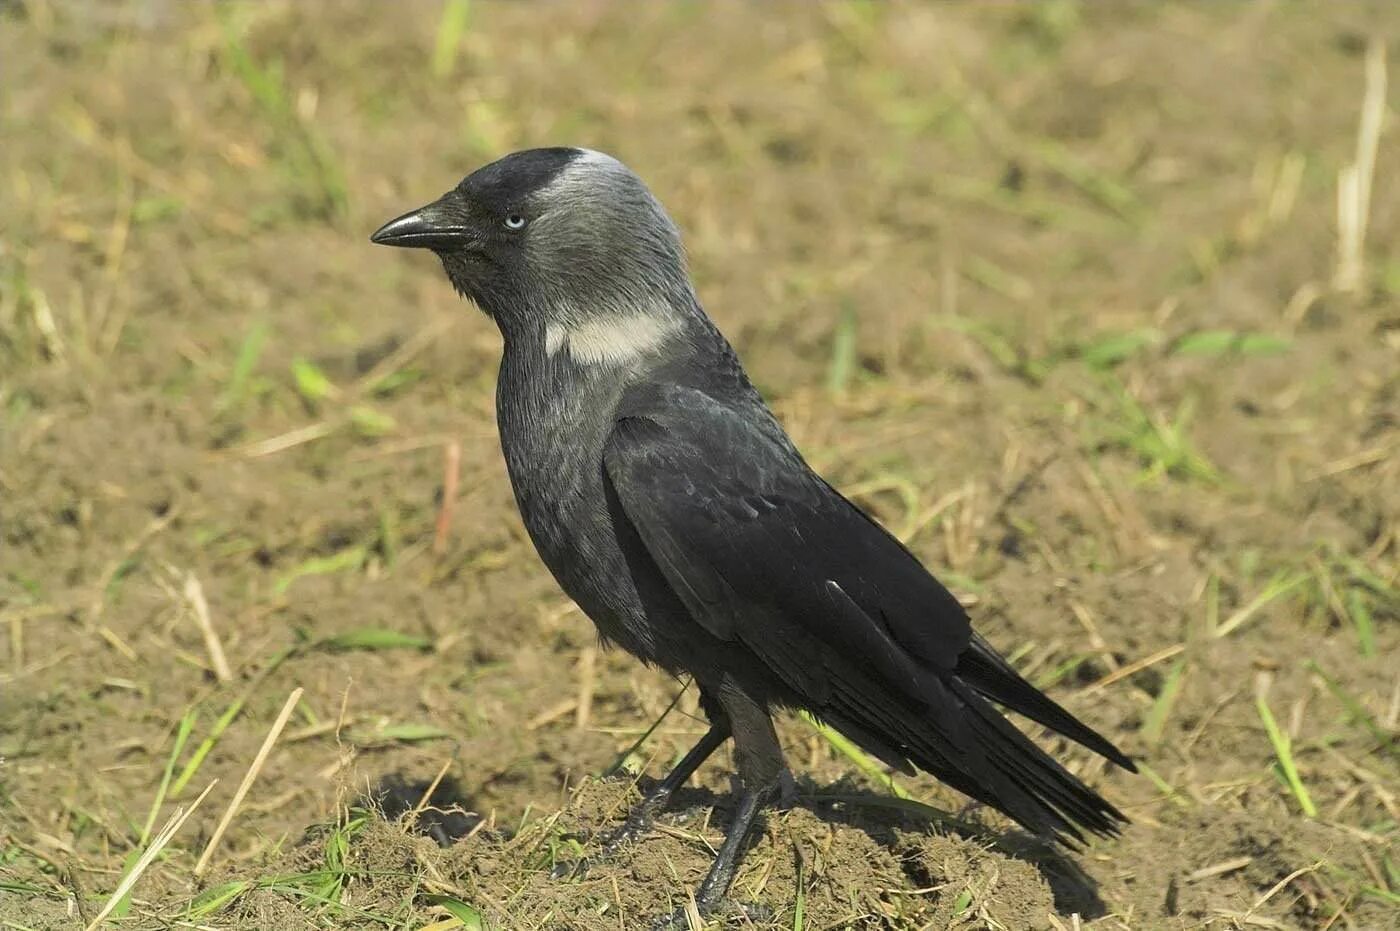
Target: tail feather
965,742
1059,801
993,677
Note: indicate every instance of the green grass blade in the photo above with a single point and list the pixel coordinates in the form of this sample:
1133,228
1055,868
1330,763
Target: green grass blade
311,382
842,366
1169,791
452,25
799,908
367,421
182,734
1107,191
469,917
1355,709
1386,591
867,764
207,744
1108,351
375,638
621,760
1279,585
1155,722
408,733
1053,676
123,907
347,560
1283,750
1214,343
196,759
216,899
247,359
1360,613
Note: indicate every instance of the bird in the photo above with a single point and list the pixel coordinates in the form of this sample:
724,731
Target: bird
669,503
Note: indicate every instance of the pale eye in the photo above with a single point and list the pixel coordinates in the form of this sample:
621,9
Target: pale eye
515,222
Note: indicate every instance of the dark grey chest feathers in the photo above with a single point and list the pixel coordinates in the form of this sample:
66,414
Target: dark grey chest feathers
552,433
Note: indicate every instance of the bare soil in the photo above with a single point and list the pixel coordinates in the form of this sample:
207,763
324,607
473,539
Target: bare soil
1051,289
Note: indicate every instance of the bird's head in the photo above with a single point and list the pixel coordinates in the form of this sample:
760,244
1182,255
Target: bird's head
546,240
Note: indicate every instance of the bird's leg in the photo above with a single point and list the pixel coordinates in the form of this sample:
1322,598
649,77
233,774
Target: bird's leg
752,801
640,819
643,815
759,758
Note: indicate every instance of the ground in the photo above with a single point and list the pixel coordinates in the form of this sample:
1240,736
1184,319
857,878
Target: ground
1059,292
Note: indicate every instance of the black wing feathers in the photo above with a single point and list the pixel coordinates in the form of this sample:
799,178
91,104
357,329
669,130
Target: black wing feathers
763,553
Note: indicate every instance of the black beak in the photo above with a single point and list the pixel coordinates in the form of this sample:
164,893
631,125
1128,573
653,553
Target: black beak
439,225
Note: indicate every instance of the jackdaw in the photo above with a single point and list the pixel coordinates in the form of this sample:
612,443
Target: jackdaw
669,503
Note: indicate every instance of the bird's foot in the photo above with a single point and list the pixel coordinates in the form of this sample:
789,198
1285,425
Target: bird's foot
570,869
679,921
757,914
574,868
676,921
638,824
709,898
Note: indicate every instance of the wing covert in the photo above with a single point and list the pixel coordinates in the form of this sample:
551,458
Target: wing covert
761,550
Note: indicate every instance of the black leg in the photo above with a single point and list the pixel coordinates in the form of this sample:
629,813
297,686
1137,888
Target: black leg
721,874
759,758
639,821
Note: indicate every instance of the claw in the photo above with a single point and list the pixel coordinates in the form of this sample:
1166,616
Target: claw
639,823
571,869
678,921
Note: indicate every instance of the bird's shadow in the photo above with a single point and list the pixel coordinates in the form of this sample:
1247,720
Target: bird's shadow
436,809
882,816
446,816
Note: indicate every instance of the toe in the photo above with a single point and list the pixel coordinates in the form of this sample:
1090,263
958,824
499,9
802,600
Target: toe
570,869
676,921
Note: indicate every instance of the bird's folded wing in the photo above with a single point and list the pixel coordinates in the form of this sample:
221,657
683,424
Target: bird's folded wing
762,551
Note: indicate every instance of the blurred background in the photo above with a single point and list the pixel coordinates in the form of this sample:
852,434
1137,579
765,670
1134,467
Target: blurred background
1094,305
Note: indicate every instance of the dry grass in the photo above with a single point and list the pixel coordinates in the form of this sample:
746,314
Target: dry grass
1091,304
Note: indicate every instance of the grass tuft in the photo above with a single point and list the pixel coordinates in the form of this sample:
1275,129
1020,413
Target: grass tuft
1163,443
309,161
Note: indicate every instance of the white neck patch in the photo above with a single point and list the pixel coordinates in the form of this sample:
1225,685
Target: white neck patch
615,339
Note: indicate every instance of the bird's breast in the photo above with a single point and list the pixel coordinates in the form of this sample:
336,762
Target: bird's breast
553,445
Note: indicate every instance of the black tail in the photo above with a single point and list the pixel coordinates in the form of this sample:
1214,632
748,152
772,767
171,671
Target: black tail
991,676
965,742
1029,784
